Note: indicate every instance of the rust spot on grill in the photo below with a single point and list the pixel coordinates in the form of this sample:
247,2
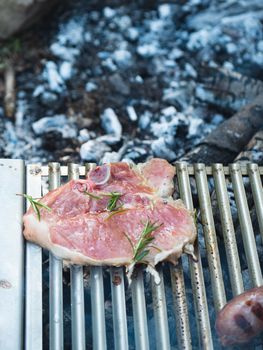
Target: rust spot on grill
257,310
35,170
243,323
5,284
116,280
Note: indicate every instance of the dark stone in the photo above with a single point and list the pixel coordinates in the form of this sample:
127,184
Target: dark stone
119,84
53,140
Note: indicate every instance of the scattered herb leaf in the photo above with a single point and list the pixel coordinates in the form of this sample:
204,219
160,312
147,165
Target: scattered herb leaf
91,195
115,212
36,205
114,197
129,240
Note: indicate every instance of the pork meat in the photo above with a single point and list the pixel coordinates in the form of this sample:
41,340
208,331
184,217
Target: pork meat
82,228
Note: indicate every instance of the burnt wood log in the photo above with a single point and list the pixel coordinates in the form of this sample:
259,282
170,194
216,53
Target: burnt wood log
16,15
253,152
223,9
224,143
227,89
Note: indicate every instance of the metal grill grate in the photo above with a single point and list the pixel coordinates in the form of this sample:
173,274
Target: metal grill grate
18,327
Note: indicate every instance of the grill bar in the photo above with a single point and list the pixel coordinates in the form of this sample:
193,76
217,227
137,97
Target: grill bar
256,186
97,307
139,312
33,287
246,225
55,280
197,278
190,168
97,299
228,230
11,256
181,311
119,309
160,313
33,267
210,237
77,290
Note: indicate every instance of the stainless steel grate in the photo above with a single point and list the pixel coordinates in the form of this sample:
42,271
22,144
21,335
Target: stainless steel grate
21,266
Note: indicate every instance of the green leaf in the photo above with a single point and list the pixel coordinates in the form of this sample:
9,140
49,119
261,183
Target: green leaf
42,205
125,234
36,205
140,251
115,196
91,195
116,212
141,255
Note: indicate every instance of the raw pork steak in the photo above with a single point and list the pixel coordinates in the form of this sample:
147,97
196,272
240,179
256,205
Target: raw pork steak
85,226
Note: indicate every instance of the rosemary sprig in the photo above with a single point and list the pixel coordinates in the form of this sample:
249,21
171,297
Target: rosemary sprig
112,203
36,205
141,249
91,195
114,197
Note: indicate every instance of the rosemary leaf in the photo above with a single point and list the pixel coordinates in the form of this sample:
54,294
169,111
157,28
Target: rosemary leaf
115,212
91,195
114,197
42,205
125,234
141,249
139,257
36,205
155,247
37,212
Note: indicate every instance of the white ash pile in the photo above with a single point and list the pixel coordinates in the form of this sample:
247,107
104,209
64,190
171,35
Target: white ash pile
138,64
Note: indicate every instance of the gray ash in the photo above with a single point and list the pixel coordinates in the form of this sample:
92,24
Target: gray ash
139,60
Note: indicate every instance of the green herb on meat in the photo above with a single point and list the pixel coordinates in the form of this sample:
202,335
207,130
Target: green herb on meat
141,249
112,204
36,205
91,195
115,212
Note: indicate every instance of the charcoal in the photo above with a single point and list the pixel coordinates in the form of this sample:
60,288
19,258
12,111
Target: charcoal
111,123
123,58
162,150
119,84
226,141
53,78
93,151
90,86
132,113
51,100
226,89
145,120
58,123
65,70
110,157
54,140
